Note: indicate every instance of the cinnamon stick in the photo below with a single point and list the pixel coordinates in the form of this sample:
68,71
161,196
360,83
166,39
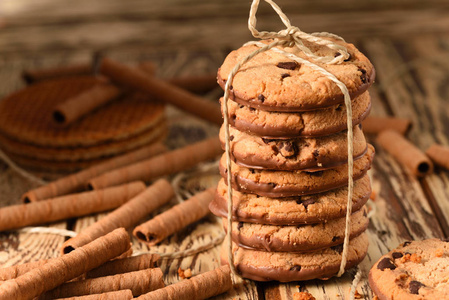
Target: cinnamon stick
78,106
125,216
174,219
66,267
125,265
199,287
116,295
164,164
139,282
32,76
77,181
148,67
195,84
405,152
374,125
65,207
160,89
439,154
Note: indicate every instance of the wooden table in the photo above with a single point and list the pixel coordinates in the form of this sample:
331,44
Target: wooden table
408,42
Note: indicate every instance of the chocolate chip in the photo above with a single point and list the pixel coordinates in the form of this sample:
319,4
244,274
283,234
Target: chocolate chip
295,268
385,263
445,240
316,153
231,88
349,57
406,243
285,75
365,214
261,98
298,201
397,255
339,107
241,106
266,141
363,76
239,225
414,286
252,109
338,248
231,138
288,148
307,202
252,171
272,184
335,238
233,117
289,65
360,125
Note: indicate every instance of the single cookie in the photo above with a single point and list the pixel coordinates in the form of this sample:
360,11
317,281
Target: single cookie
68,154
303,238
272,82
312,123
286,267
414,270
298,210
26,115
293,154
293,183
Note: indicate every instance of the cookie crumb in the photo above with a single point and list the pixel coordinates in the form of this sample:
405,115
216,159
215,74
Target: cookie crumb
303,296
375,297
439,252
357,295
411,257
373,196
187,273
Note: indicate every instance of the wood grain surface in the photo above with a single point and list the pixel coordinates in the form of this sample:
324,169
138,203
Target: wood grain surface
408,42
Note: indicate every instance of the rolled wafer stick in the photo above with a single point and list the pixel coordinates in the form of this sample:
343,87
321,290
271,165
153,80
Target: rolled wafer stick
139,282
125,265
66,267
405,152
116,295
160,89
176,218
77,182
125,216
199,287
31,76
78,106
374,125
439,154
116,266
164,164
148,67
61,208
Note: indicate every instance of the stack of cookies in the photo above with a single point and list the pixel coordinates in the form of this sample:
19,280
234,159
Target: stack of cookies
288,142
30,136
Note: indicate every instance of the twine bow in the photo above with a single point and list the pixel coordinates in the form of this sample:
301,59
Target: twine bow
292,37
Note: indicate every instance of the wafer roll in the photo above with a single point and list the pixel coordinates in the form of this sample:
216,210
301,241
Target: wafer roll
18,270
148,67
195,84
176,218
139,282
76,182
64,268
125,216
76,107
164,164
202,286
374,125
160,89
61,208
125,265
117,295
31,76
405,153
439,155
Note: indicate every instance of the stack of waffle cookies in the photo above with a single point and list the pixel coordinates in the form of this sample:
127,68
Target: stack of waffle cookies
288,146
32,139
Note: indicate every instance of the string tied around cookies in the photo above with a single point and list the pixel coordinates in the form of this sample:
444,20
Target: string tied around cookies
292,37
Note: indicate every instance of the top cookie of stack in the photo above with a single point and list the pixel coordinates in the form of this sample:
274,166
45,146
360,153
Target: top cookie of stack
288,147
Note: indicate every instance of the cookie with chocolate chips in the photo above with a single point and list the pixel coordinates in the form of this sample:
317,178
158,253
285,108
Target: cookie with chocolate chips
293,183
312,123
293,154
299,238
414,270
272,82
286,266
309,209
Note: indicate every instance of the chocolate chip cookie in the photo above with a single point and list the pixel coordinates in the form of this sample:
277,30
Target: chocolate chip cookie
272,82
414,270
293,154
